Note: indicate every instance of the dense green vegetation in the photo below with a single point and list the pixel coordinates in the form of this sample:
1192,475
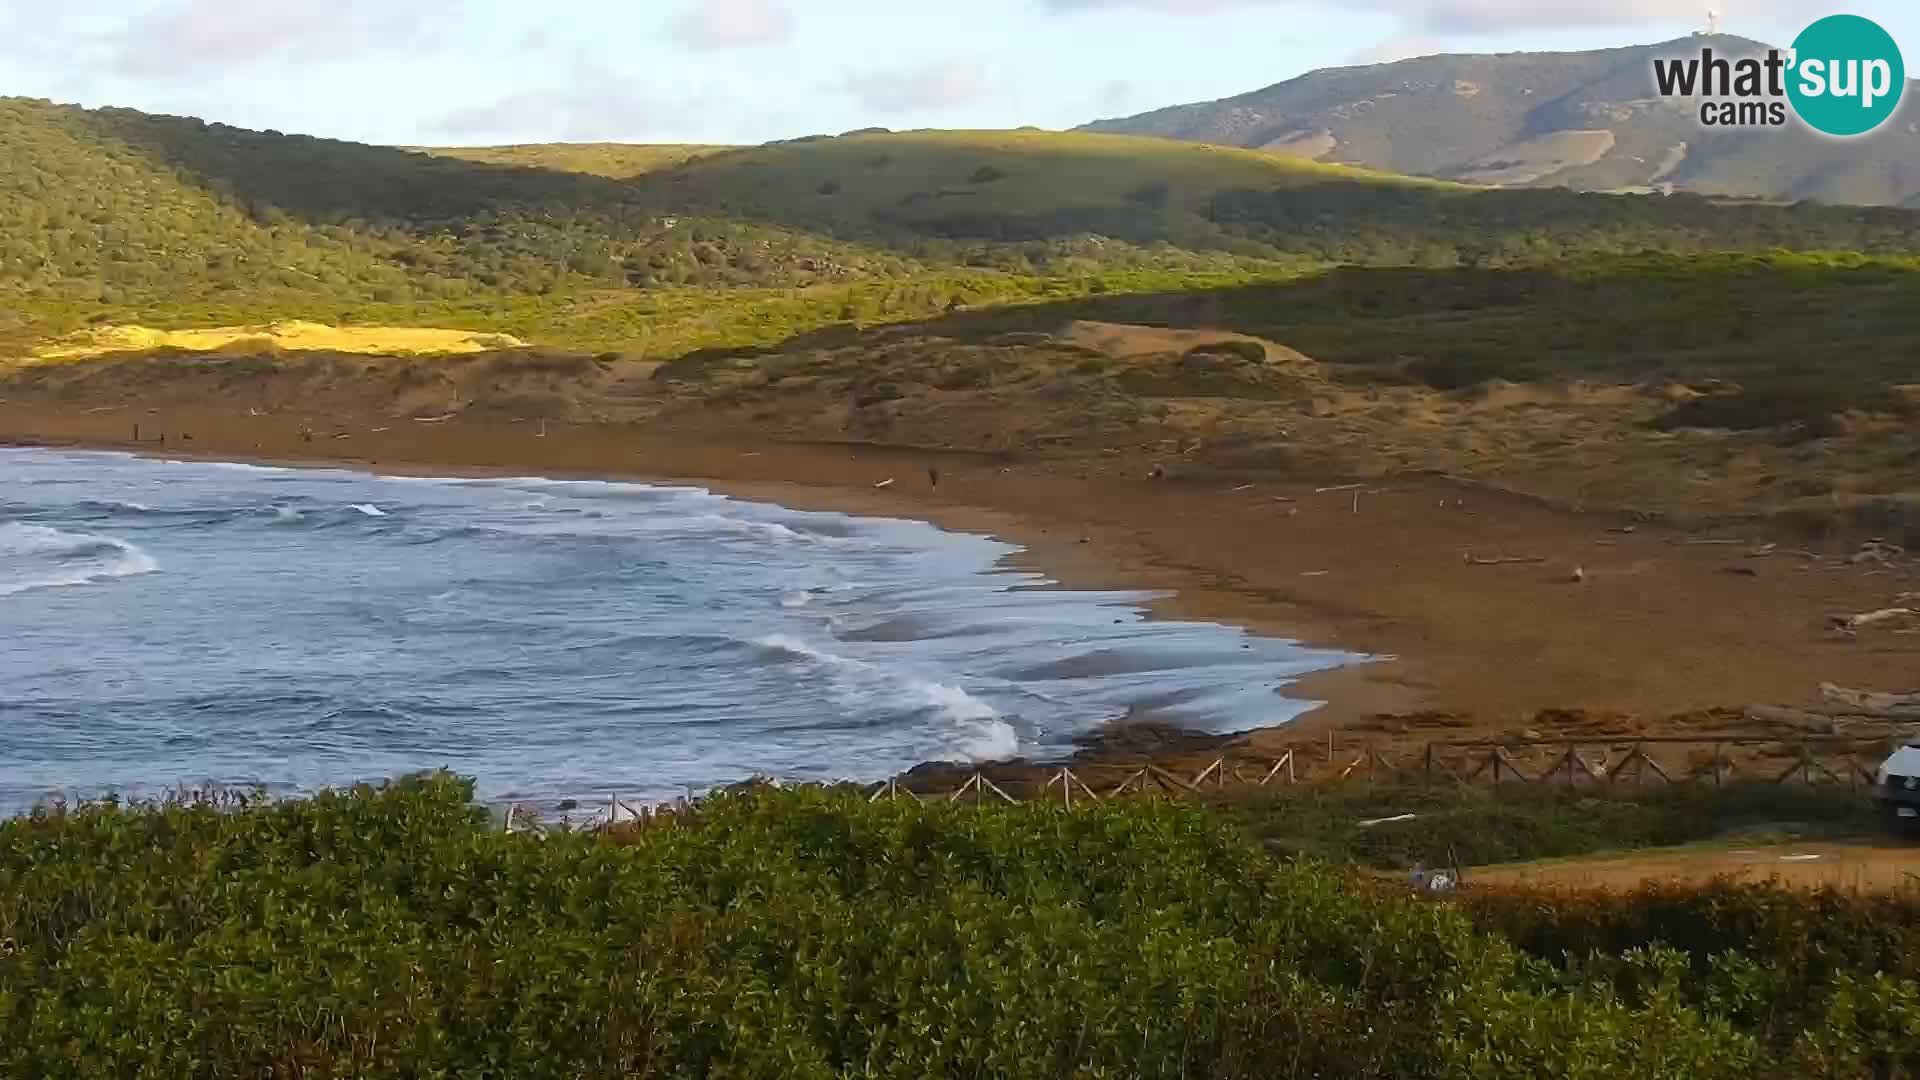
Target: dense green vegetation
119,207
1770,339
114,214
1387,226
810,933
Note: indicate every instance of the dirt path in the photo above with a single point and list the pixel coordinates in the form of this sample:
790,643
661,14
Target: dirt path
1658,624
1863,866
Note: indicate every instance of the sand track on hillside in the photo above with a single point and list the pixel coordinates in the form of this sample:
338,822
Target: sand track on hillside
290,335
1867,867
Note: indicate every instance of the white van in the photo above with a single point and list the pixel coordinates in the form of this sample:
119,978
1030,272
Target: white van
1896,789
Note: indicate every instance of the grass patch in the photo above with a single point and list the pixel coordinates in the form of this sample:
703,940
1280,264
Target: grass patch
619,161
1481,826
1811,406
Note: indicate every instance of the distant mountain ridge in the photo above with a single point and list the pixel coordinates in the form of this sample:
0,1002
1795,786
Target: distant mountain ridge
1590,121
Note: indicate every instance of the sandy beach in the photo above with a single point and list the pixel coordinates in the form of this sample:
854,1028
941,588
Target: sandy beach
1414,570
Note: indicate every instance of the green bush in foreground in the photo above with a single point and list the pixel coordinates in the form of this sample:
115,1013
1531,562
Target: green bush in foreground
810,934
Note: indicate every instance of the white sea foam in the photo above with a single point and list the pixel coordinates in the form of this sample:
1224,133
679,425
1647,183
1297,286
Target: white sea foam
287,515
721,523
798,598
240,466
368,509
794,646
982,734
978,731
39,557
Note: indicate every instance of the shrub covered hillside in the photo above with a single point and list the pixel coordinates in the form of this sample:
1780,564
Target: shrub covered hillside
122,207
811,934
115,213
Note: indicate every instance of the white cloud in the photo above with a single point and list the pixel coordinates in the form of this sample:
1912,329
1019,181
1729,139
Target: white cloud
1493,16
1400,47
940,85
1171,7
592,106
180,40
732,24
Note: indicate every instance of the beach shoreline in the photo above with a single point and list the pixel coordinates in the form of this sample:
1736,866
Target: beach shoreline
1657,625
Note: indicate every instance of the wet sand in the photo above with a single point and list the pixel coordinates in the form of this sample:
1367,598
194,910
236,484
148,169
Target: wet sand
1660,623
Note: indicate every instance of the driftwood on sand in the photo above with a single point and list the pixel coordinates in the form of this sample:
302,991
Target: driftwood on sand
1892,706
1819,723
1503,560
1868,618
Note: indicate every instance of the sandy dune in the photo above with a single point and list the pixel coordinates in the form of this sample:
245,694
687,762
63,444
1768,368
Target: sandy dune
290,335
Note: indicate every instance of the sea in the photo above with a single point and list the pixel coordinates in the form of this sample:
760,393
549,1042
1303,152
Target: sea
169,625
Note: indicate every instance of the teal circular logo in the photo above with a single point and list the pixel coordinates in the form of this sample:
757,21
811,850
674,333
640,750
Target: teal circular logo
1847,75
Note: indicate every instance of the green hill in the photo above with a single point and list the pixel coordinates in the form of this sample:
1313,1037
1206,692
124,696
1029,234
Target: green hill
1585,120
119,206
118,215
987,182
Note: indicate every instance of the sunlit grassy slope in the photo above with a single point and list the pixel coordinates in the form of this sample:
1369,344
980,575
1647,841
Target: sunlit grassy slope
617,160
923,177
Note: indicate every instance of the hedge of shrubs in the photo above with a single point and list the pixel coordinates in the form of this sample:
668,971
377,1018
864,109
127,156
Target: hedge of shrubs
394,933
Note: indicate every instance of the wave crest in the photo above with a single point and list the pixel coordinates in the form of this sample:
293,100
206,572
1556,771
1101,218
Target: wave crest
41,557
974,729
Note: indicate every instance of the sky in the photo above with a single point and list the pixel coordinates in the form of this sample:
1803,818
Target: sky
446,72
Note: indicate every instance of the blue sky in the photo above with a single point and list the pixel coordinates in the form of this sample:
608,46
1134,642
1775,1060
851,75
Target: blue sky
490,71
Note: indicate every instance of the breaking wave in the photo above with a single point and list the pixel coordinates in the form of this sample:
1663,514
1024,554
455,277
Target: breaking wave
977,730
42,557
552,638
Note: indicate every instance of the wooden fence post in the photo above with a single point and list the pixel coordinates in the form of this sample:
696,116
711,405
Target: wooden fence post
1217,770
1067,781
993,787
1137,778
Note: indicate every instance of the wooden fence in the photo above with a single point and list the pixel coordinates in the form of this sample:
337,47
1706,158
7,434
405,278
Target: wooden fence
1596,763
1811,760
1599,764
